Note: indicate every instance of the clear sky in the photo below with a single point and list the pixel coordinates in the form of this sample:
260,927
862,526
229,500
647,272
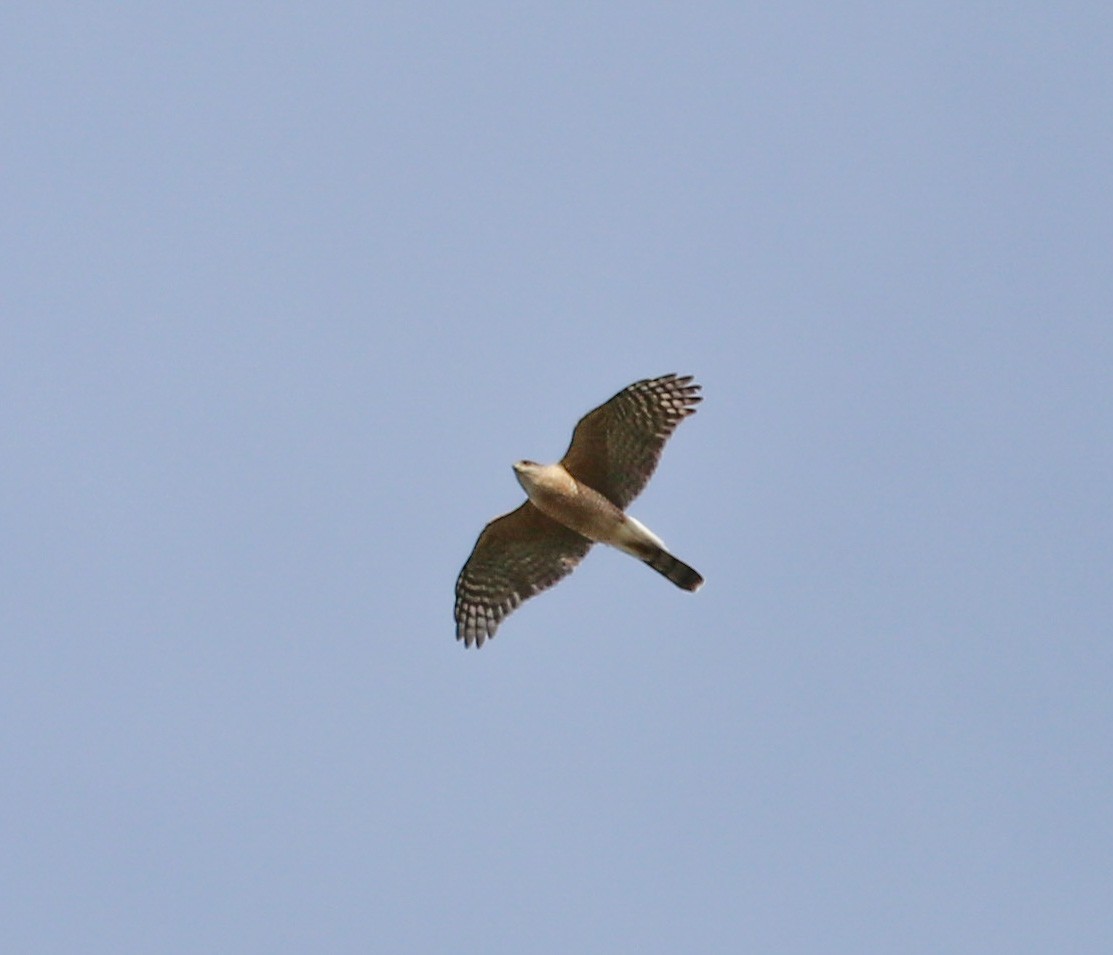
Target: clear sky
286,288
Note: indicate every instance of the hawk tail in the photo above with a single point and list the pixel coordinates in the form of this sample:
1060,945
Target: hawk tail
677,571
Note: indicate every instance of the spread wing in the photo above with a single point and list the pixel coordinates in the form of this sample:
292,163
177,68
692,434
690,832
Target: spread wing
616,447
517,555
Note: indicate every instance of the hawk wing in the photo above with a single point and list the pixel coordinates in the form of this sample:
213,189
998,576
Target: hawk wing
517,555
616,447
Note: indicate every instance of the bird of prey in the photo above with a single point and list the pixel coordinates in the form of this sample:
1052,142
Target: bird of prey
575,503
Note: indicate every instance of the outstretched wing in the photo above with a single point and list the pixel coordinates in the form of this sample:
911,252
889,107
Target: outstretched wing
517,555
616,447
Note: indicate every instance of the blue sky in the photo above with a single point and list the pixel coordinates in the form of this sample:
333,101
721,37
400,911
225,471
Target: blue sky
287,289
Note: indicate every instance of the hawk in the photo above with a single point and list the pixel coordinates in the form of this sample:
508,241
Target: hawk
575,503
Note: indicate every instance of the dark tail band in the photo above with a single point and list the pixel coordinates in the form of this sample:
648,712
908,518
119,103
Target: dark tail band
676,570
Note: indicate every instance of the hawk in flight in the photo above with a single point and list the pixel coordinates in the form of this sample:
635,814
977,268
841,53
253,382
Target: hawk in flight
575,503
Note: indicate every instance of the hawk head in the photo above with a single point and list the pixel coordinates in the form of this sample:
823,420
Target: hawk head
524,470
